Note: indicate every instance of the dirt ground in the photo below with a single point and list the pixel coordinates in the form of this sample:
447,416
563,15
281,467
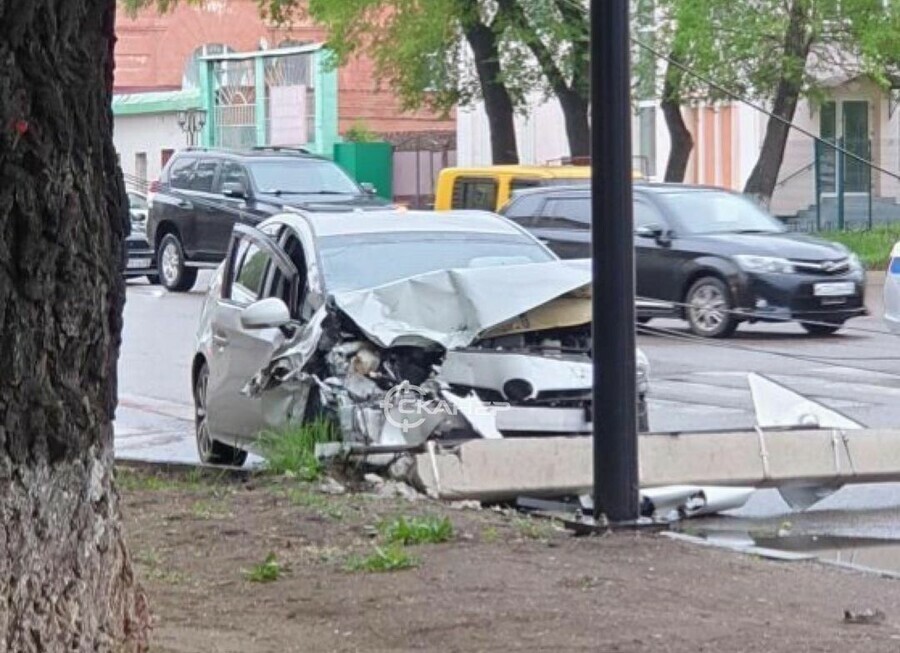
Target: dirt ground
502,583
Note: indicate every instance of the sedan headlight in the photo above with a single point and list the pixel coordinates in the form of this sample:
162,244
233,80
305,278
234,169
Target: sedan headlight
643,372
855,263
750,263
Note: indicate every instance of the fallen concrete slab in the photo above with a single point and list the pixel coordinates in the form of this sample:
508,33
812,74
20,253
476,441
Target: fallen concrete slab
495,470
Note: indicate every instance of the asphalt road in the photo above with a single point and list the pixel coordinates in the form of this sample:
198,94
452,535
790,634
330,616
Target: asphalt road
695,385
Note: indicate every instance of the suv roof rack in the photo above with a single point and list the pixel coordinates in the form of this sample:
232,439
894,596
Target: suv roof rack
280,148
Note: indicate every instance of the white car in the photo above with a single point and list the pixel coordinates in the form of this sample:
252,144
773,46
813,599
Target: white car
399,326
892,291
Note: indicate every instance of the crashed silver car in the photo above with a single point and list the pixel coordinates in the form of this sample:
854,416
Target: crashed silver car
401,327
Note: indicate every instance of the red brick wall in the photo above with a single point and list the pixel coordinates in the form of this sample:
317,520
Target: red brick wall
152,51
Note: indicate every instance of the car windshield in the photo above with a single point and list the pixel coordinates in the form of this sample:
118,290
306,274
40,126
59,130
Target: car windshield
718,213
302,177
357,261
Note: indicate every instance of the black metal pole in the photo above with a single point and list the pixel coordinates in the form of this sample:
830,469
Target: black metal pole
615,400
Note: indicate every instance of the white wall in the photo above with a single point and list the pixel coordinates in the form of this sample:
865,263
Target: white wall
541,134
149,133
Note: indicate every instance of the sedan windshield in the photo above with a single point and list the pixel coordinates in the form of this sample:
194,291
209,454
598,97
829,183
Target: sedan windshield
358,261
302,177
711,212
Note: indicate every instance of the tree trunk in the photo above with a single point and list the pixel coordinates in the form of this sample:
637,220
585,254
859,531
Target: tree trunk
66,580
578,129
497,102
797,43
681,140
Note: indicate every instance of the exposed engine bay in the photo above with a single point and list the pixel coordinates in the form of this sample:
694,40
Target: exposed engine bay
391,377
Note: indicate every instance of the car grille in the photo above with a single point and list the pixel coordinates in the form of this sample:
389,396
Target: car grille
839,266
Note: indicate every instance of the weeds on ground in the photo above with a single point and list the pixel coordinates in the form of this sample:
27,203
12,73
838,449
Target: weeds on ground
267,571
135,481
490,535
873,246
416,530
389,558
533,529
292,451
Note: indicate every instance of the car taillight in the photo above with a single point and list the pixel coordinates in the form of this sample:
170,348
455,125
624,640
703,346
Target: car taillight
155,186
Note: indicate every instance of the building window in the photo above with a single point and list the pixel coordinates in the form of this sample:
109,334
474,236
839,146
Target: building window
191,76
140,168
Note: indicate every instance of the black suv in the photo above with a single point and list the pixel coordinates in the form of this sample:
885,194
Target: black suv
710,256
202,193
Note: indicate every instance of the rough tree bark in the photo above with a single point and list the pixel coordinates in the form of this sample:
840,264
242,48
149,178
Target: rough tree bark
681,140
66,581
498,104
797,44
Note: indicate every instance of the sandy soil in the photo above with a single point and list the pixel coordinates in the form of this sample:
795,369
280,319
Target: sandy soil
503,583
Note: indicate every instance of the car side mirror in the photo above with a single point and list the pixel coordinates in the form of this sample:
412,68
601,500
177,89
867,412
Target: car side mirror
368,189
655,231
269,313
234,189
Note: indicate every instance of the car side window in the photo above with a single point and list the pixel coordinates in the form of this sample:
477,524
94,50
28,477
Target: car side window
232,173
475,193
647,215
249,272
524,210
204,175
567,213
180,173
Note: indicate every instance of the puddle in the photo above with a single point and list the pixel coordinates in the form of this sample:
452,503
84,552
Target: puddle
875,554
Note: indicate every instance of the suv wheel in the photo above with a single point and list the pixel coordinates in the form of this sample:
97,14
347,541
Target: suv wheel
212,452
173,273
709,310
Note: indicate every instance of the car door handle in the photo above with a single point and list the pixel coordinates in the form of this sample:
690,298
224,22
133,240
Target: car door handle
184,204
219,340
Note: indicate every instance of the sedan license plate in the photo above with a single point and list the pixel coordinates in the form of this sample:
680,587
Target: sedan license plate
835,289
138,263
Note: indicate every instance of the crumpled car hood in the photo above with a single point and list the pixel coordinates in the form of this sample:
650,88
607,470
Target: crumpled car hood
453,308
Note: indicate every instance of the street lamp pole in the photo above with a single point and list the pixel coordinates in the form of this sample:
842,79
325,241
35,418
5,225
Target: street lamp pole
191,122
614,399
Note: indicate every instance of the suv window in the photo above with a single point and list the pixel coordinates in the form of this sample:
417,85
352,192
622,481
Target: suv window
567,213
181,171
249,272
232,173
471,193
204,175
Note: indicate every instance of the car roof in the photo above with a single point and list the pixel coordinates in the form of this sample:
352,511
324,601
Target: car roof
547,172
653,187
291,153
401,221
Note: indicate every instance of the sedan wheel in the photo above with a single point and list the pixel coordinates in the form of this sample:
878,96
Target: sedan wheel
709,310
211,451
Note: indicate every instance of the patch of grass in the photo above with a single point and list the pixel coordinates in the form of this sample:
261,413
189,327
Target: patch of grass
133,480
267,571
389,558
416,530
490,535
292,451
873,246
207,510
533,529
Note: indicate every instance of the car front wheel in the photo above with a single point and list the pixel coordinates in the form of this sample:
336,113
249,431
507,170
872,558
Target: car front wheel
173,273
709,308
821,329
212,452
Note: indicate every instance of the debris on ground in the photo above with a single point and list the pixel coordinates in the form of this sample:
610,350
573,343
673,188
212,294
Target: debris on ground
867,617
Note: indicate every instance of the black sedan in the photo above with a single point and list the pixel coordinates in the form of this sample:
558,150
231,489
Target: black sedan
141,260
709,256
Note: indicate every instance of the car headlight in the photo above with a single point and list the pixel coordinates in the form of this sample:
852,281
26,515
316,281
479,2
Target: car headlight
643,371
855,263
750,263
